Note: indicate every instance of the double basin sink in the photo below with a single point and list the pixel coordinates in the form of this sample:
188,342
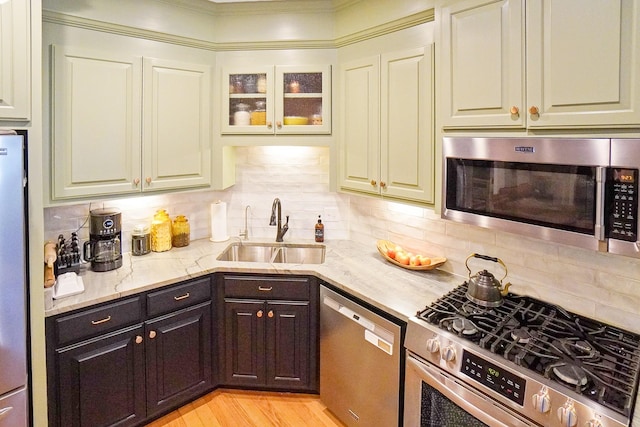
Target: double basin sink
291,253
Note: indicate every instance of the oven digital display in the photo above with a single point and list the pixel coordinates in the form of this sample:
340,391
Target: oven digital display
500,380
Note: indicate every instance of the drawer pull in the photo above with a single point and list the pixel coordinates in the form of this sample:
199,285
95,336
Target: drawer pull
185,296
265,289
97,322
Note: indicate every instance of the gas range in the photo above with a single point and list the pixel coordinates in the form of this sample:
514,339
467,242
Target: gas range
551,366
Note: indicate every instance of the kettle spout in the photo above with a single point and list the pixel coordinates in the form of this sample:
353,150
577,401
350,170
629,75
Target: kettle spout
505,291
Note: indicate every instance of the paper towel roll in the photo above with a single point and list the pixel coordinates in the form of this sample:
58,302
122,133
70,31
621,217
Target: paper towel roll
219,222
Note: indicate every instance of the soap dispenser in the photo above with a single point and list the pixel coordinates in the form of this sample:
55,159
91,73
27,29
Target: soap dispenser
319,230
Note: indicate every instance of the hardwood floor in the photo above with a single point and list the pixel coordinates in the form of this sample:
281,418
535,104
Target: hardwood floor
240,408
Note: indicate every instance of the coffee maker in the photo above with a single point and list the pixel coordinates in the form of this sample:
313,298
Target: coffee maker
104,247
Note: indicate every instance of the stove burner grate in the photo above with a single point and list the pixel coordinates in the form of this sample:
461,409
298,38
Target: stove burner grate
594,359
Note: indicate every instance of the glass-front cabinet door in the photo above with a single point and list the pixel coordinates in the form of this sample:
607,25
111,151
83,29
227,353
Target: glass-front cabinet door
280,100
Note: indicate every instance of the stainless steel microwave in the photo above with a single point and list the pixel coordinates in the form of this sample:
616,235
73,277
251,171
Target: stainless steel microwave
579,192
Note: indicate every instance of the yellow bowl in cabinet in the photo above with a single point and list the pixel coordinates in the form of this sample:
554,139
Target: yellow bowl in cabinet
296,120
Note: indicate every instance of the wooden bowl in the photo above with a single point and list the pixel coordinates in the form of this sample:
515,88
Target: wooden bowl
384,244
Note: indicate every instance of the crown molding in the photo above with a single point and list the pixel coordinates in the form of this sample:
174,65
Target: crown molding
386,28
129,31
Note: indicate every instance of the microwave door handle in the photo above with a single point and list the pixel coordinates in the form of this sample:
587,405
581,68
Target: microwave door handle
601,182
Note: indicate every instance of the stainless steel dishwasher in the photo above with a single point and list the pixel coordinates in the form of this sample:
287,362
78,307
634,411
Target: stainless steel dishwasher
360,362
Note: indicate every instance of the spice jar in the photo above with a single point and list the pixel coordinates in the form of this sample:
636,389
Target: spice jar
161,232
261,84
242,117
181,231
259,115
140,240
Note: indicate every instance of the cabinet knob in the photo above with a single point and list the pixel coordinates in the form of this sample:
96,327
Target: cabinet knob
136,181
148,180
270,314
269,125
515,111
374,182
260,313
279,125
383,184
533,110
138,339
152,334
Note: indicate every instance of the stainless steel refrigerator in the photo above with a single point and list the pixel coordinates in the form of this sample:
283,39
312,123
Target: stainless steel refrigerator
13,284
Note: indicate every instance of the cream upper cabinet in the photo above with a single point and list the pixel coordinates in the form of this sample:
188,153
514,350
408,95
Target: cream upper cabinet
96,117
572,74
105,142
176,147
15,71
277,100
360,125
583,63
387,137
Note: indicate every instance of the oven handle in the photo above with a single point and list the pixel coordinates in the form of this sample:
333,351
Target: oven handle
438,380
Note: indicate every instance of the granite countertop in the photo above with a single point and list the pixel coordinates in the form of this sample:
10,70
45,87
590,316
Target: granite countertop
355,268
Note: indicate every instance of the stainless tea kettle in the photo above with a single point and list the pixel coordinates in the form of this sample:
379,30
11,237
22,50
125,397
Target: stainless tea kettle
484,289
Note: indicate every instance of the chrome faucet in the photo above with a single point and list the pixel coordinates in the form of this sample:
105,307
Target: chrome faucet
282,229
244,234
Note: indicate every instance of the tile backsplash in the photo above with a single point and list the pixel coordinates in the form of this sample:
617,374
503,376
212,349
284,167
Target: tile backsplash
603,286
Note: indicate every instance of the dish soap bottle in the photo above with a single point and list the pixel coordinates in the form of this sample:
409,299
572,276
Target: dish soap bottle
319,230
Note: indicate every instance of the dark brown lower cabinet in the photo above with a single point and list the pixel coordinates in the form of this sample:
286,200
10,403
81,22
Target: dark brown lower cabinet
270,343
102,381
104,371
178,357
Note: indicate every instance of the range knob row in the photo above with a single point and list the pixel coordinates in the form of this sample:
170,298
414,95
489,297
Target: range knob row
566,413
447,353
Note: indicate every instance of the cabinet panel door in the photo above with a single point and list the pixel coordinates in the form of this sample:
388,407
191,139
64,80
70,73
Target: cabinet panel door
245,90
482,66
578,75
360,125
305,92
244,342
288,344
15,70
407,131
178,357
177,139
101,382
96,122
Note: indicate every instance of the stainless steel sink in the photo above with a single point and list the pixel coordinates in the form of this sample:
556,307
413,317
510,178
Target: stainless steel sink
274,253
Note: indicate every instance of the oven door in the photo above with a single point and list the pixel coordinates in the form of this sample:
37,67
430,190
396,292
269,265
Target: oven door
436,398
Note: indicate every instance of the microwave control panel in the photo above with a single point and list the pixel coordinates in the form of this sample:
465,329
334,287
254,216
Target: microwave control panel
622,204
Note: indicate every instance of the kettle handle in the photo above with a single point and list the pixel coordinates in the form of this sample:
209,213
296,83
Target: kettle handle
486,258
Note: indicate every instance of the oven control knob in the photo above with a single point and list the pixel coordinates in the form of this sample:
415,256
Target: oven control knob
433,345
541,401
593,423
448,353
567,414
